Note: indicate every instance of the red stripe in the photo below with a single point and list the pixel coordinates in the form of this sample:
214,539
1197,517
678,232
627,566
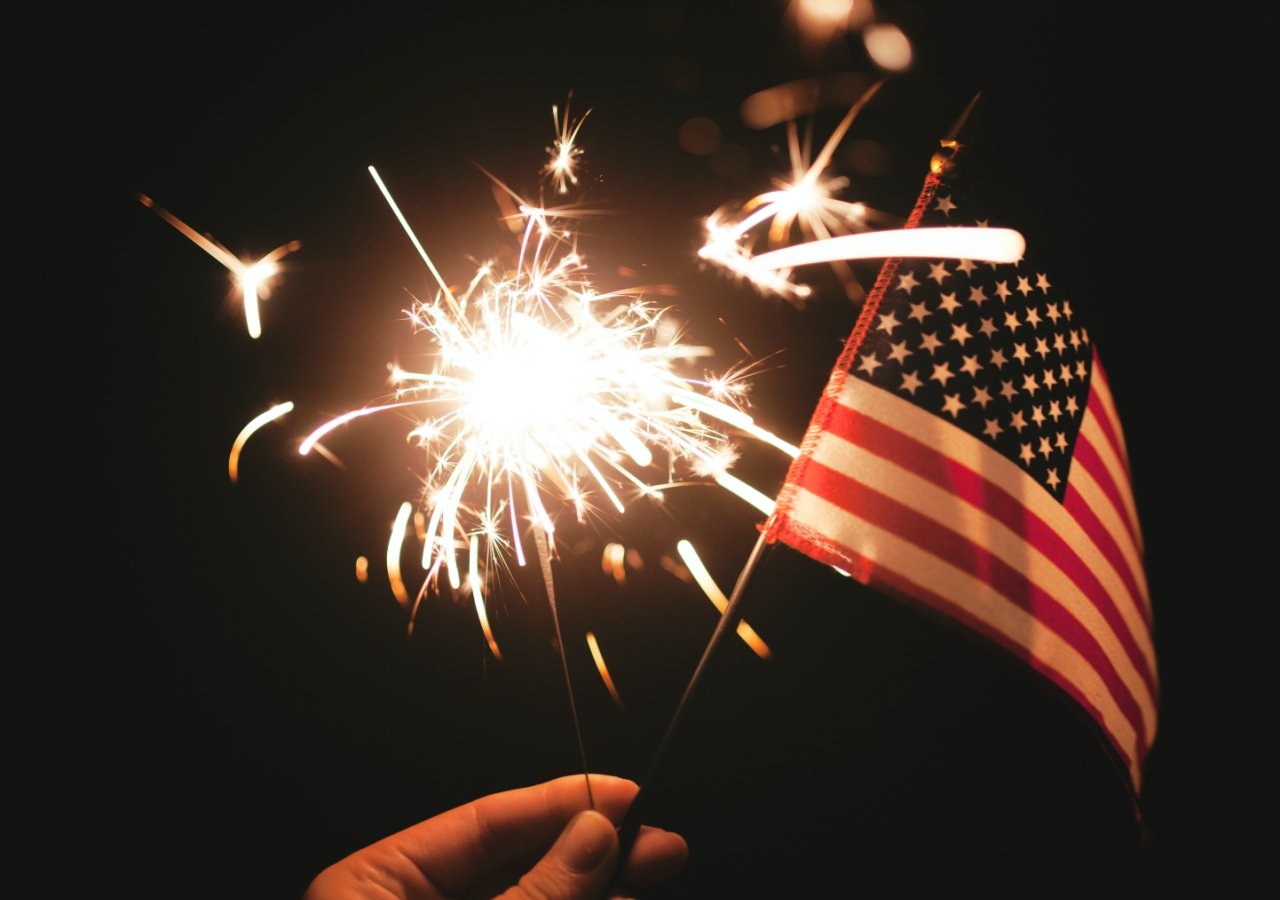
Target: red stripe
956,478
1086,455
958,550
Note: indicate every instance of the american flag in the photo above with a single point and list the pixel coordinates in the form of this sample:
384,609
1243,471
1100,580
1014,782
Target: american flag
966,455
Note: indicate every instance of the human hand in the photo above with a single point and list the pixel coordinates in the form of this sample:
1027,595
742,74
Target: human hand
491,847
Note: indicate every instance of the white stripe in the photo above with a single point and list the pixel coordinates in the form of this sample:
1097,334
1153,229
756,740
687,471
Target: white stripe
991,534
979,600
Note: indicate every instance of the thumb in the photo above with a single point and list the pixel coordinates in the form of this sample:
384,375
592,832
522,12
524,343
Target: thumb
577,867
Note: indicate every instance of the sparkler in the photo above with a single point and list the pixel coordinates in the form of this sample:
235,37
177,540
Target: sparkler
545,394
253,278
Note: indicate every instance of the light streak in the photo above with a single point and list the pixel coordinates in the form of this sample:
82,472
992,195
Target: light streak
477,595
709,587
832,230
252,277
270,415
395,543
603,669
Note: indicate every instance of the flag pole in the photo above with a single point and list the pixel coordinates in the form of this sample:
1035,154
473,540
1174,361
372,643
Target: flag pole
728,624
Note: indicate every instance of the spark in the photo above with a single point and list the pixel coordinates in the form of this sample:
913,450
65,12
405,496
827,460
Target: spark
564,152
270,415
362,569
477,595
717,597
613,562
253,277
594,646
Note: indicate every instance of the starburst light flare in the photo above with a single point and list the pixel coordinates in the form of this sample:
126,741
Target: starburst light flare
544,395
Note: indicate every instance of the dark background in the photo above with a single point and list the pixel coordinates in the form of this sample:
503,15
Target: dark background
214,706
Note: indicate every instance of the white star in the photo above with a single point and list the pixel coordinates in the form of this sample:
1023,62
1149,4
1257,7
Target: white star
1058,343
938,272
888,322
1045,448
981,396
943,205
1042,282
1064,373
1052,312
966,266
1026,454
942,373
1066,308
1052,479
1081,370
997,357
1037,415
952,404
1075,339
1011,320
1042,347
1018,422
1055,410
970,365
960,333
1020,353
1002,291
898,351
1024,286
1061,440
1050,381
918,312
929,341
987,328
1029,384
1072,406
869,363
992,429
977,294
910,383
1033,317
949,302
1007,390
907,282
1084,336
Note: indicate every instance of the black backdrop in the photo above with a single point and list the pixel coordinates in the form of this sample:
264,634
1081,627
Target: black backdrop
213,704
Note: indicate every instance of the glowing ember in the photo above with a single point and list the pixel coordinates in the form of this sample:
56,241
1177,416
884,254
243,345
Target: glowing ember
233,459
253,278
362,569
717,597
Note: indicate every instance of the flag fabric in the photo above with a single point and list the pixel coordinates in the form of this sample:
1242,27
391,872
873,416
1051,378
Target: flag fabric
967,455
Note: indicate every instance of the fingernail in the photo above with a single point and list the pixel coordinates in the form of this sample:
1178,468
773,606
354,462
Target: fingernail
587,841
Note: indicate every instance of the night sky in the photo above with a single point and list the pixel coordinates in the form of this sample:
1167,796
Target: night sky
213,705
